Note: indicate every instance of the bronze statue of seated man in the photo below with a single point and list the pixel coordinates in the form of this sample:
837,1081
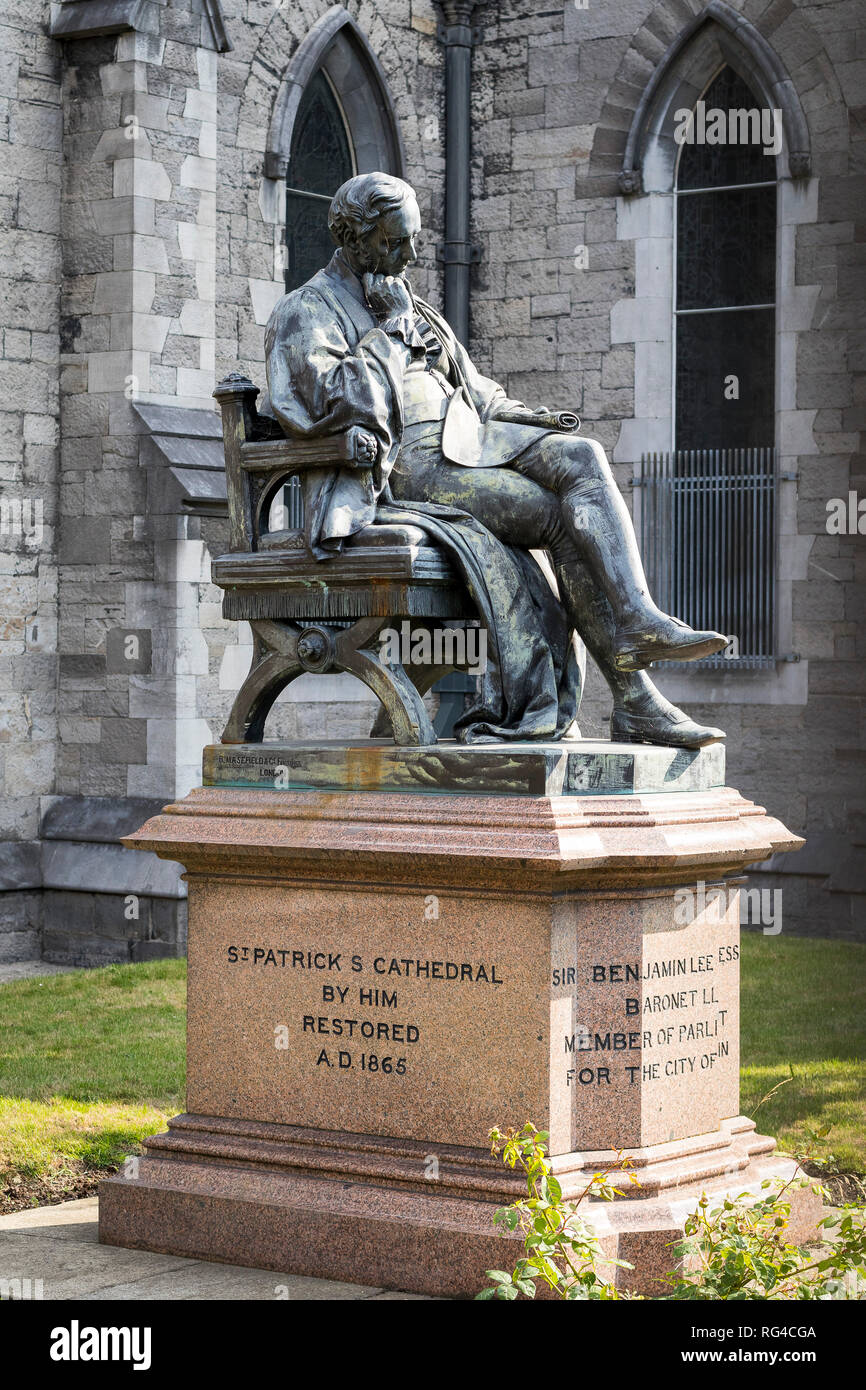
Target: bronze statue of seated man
355,347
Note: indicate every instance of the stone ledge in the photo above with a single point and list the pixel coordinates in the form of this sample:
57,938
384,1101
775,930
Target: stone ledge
89,19
108,869
100,819
515,844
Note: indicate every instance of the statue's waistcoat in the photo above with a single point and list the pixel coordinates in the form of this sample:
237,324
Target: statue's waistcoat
436,393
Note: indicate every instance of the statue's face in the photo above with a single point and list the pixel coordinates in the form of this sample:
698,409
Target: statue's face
392,244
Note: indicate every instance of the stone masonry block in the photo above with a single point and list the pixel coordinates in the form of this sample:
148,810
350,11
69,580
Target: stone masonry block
124,741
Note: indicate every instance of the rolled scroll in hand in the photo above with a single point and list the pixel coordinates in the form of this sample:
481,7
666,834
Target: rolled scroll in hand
564,420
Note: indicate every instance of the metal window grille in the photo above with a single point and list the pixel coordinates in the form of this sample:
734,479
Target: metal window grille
293,501
708,521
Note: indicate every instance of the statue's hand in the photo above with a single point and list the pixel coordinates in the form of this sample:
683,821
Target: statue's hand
388,295
366,449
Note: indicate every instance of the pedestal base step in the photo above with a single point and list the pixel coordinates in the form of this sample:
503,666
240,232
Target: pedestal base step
361,1210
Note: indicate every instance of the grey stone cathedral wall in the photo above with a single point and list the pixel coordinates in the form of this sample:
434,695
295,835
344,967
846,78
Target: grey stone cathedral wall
142,245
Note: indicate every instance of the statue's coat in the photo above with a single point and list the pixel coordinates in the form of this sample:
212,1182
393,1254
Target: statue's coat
330,366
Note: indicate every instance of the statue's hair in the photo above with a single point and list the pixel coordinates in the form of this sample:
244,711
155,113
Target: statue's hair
358,204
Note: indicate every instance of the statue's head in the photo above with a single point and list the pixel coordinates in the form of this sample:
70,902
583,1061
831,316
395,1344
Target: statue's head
375,219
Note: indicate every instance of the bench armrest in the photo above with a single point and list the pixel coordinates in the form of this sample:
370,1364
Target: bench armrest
273,455
254,463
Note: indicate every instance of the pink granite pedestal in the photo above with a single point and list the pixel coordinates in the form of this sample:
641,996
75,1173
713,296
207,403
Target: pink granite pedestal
376,978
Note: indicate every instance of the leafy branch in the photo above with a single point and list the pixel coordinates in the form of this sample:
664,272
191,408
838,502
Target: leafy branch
737,1250
562,1250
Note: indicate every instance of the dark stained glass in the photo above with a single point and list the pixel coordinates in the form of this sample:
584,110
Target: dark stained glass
726,248
321,160
711,348
705,165
726,257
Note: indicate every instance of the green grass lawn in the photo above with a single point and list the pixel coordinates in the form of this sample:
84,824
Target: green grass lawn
90,1063
803,1014
93,1062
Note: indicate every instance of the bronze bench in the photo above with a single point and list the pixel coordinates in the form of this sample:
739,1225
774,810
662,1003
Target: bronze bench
321,615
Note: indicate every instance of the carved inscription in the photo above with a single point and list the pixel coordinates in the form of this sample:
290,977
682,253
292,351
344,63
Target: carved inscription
365,1012
672,1019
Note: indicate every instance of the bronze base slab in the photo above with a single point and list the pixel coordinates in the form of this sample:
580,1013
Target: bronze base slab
406,1215
571,768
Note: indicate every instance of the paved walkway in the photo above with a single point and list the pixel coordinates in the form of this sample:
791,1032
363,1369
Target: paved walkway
25,969
59,1245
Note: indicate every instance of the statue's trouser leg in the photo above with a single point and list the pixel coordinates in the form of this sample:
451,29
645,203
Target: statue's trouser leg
522,512
597,519
590,612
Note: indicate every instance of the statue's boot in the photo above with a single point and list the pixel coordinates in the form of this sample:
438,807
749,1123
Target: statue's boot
663,724
602,530
665,639
640,713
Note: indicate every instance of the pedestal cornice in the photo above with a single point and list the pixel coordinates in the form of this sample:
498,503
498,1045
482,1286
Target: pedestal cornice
513,842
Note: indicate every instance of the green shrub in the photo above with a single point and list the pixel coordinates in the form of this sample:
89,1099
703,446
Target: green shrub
737,1250
561,1249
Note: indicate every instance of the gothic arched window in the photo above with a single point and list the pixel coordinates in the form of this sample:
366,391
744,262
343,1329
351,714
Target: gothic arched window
710,168
334,118
321,159
709,525
726,274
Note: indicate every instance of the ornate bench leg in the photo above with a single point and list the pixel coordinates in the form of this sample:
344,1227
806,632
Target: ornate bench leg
283,650
400,699
423,678
275,663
